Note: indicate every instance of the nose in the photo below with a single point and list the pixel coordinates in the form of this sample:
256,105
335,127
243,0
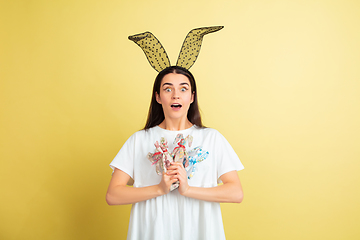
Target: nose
175,94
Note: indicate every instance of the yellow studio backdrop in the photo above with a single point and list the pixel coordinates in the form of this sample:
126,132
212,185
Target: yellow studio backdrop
280,82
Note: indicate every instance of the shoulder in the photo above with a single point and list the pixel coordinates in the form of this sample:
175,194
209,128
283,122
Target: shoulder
207,131
208,135
143,132
143,135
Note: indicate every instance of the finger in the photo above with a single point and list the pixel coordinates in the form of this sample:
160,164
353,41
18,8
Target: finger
174,177
175,164
172,172
173,167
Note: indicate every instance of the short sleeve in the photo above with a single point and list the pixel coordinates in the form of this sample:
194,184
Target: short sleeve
124,160
227,159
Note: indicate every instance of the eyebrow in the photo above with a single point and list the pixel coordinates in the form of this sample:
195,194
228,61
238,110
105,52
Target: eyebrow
181,84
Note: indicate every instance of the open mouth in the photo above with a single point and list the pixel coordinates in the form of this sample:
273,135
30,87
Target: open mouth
176,106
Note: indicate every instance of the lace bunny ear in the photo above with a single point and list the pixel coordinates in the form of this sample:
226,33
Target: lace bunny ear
192,44
154,51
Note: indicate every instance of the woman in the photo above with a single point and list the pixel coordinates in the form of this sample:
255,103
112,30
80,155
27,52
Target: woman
192,211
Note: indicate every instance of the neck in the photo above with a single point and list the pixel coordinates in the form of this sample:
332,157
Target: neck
175,125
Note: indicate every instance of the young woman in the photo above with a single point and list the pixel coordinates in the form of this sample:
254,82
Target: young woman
192,211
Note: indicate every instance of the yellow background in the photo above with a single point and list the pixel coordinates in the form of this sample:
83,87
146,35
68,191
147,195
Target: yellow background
280,82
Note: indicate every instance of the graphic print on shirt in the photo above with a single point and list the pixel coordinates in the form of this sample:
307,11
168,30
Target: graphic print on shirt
162,158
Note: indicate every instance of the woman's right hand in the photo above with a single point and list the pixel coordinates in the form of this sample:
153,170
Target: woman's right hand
166,183
118,193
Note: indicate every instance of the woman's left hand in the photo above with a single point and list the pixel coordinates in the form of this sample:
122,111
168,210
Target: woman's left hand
178,172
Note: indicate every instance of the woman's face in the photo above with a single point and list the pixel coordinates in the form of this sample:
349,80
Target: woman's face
175,96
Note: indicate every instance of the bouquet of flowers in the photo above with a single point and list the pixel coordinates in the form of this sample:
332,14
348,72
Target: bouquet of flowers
162,156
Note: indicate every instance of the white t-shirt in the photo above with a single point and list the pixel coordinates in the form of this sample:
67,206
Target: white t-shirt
173,216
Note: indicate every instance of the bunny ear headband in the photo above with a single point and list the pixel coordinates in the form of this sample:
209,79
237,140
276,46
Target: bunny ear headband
156,53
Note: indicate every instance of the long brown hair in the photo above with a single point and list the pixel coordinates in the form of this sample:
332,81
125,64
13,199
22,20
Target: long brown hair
156,113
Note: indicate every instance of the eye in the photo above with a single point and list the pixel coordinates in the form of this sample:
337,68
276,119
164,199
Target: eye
183,89
167,89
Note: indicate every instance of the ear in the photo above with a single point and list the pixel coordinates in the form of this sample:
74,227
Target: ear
192,44
158,99
153,49
192,97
